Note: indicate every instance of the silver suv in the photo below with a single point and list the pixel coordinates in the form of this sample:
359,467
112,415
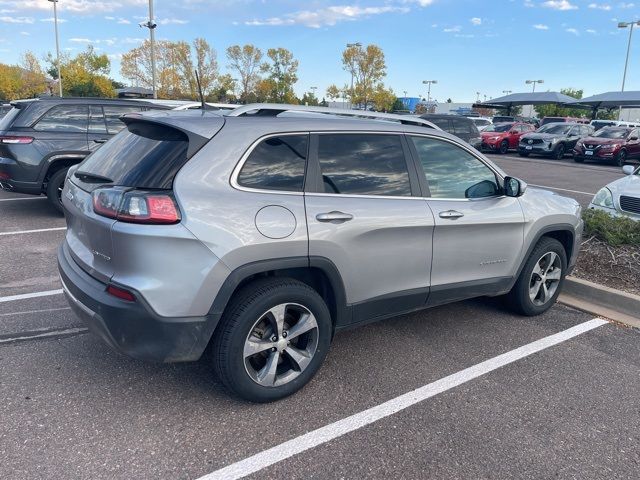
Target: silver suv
260,233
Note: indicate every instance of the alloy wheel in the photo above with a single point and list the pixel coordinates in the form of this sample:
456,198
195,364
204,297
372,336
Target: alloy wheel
281,344
545,278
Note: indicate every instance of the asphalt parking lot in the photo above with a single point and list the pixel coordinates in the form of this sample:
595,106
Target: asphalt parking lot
446,393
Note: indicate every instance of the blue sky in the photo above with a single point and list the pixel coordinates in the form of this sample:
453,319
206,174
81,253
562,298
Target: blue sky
467,45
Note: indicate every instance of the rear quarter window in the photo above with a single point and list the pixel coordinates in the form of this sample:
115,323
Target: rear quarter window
64,118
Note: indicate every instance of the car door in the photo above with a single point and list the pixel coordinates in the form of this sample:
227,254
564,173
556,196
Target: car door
365,215
633,144
478,236
63,130
573,136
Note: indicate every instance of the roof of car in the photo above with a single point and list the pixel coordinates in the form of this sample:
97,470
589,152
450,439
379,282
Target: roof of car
89,100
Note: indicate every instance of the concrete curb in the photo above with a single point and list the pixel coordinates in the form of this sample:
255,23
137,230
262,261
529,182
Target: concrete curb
600,300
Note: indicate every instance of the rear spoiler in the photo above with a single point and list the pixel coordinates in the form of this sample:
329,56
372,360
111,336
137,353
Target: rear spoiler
198,126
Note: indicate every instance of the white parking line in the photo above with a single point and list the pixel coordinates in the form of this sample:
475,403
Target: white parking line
24,296
27,312
563,189
25,198
330,432
19,232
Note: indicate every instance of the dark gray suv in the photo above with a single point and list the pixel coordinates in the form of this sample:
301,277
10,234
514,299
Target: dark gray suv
41,138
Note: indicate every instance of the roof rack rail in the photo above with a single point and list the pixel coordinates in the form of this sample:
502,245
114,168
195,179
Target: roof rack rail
274,109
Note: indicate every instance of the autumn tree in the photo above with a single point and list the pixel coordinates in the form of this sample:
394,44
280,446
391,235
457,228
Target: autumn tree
85,75
176,63
246,61
333,92
224,89
368,68
383,98
309,99
281,71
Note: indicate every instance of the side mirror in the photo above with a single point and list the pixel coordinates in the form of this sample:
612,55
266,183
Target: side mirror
628,169
514,187
633,138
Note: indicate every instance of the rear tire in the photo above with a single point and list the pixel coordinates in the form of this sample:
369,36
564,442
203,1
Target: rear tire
258,351
540,280
54,189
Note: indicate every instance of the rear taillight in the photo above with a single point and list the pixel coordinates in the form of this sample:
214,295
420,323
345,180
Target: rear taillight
121,293
136,206
4,176
10,139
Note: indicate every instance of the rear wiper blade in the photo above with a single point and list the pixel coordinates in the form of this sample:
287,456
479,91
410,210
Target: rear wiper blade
91,177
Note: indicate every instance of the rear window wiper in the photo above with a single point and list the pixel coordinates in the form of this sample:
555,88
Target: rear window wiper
92,178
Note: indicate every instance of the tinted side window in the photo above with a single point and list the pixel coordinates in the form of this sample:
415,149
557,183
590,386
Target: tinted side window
443,123
65,118
363,164
461,127
452,172
96,120
113,114
276,163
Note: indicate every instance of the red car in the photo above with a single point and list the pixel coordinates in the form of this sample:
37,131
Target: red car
612,144
502,137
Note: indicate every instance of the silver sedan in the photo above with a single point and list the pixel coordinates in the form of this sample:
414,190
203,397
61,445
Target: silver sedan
621,197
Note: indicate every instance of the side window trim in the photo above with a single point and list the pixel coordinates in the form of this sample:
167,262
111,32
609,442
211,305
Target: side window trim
423,178
104,119
313,179
238,168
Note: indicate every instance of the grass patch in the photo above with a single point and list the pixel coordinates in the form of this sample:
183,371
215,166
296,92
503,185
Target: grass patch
615,231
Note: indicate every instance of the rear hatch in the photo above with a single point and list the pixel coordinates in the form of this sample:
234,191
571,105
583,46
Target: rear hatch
138,164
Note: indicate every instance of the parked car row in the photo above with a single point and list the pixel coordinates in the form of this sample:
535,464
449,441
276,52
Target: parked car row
553,139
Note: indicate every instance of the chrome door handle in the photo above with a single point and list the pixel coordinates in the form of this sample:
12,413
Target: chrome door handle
334,217
452,214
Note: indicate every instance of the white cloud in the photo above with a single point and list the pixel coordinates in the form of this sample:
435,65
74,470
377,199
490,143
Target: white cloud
476,21
573,31
76,6
123,21
51,19
453,29
26,34
591,31
600,6
176,21
541,26
422,3
16,19
627,5
328,16
559,5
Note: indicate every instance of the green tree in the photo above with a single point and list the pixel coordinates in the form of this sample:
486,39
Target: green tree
309,99
281,75
368,68
383,98
245,61
224,89
333,92
553,110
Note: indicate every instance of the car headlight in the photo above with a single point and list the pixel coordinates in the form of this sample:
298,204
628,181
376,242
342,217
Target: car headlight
611,146
493,139
554,139
604,198
579,143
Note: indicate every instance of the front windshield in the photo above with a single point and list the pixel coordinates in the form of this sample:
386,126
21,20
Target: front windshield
555,128
612,133
500,127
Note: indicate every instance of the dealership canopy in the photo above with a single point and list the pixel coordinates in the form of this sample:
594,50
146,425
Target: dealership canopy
527,98
609,100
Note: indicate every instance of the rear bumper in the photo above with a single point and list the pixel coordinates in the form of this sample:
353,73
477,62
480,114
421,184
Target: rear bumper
9,175
132,328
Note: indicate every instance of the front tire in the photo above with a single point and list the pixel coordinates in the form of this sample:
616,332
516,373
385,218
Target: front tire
559,152
541,279
54,188
504,147
272,339
621,158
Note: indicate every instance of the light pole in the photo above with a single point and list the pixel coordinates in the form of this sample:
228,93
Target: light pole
626,62
429,83
350,45
55,22
529,82
478,97
151,25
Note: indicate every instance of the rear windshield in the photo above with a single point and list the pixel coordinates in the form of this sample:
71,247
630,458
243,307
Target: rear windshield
555,128
546,120
143,156
7,120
